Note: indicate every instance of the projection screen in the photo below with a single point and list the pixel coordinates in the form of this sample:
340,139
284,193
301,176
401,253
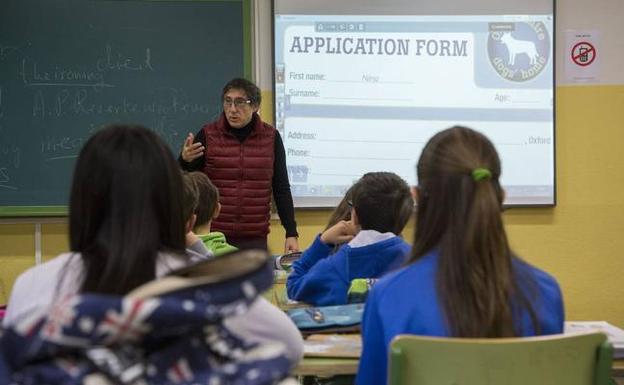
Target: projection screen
361,86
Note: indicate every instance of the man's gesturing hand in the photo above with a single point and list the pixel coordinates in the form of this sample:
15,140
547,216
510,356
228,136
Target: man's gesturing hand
190,150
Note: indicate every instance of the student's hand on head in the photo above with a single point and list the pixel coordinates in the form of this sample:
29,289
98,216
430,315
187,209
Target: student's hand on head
190,150
191,238
341,232
291,245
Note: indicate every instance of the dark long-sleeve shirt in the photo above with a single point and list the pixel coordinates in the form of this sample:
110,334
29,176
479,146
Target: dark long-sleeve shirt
280,183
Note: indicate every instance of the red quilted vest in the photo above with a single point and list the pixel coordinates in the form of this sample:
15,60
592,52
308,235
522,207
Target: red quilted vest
243,173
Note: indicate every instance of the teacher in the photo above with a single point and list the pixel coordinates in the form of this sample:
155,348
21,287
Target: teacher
245,158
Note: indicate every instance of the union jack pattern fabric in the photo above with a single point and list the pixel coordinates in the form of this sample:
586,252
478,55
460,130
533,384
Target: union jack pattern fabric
175,338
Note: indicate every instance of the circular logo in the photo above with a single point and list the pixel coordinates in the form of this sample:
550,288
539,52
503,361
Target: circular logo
583,54
520,53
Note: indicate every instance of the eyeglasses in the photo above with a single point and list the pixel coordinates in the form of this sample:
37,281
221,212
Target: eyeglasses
238,102
350,204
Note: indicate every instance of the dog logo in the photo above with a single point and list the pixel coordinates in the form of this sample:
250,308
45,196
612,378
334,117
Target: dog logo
517,47
519,51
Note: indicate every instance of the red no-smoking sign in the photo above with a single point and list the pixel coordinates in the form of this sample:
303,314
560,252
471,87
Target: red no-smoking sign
583,54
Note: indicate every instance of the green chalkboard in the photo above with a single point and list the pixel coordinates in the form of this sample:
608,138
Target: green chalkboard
68,67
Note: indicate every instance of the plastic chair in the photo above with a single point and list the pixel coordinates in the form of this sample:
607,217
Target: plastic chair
570,359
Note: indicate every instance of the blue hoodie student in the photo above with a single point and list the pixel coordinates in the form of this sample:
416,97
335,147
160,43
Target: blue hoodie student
381,206
322,279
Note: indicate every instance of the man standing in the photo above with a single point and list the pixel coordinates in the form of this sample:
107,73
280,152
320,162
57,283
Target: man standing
245,158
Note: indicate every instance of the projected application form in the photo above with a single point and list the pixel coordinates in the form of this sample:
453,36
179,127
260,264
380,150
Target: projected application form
360,93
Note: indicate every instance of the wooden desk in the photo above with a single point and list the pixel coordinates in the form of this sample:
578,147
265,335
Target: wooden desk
326,367
617,371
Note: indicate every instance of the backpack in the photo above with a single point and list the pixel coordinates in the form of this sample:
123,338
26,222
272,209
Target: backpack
168,331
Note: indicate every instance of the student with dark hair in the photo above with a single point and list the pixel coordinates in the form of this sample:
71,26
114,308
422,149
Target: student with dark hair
190,198
245,158
381,206
190,201
462,279
126,222
127,227
207,209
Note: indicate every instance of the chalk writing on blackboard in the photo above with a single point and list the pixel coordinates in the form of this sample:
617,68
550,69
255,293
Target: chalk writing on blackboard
159,64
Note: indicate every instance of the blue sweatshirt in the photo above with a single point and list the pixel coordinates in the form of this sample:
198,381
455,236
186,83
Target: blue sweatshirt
322,279
405,302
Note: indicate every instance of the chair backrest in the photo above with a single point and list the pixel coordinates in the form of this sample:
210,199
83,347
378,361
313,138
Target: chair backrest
570,359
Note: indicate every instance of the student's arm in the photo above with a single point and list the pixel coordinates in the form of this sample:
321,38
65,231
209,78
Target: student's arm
192,154
264,323
316,278
560,312
36,289
550,307
373,366
283,195
19,303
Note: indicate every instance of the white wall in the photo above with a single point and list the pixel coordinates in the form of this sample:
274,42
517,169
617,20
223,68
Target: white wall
606,19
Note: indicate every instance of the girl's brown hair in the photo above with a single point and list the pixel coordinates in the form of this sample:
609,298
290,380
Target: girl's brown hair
459,214
342,212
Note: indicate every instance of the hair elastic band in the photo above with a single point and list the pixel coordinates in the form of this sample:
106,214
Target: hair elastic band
480,173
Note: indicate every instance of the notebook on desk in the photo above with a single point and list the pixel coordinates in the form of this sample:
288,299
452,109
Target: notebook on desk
614,334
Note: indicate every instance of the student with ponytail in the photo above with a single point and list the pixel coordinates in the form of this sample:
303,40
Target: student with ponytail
462,279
